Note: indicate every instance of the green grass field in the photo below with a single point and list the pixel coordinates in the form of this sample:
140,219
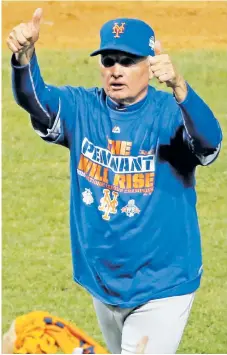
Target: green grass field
36,248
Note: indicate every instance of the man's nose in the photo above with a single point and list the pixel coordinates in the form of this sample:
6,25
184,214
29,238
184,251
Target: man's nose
117,70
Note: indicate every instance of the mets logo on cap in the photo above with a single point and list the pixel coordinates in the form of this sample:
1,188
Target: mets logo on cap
118,29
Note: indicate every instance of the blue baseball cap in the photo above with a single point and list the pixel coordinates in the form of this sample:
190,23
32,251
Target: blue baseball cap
127,35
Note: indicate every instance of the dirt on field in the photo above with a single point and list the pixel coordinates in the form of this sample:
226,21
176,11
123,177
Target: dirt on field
179,25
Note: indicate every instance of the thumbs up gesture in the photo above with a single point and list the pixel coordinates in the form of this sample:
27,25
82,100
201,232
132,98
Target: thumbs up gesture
22,38
162,67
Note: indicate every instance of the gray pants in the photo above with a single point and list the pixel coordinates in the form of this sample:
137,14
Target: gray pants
162,320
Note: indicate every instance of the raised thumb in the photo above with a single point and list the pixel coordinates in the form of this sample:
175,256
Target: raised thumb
157,48
36,18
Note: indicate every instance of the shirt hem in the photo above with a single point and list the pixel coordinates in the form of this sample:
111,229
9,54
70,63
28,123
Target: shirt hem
179,290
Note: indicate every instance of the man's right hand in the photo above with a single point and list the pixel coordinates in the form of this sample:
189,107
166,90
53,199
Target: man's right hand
23,37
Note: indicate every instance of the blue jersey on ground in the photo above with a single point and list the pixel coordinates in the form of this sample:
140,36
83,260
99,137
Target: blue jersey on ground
134,227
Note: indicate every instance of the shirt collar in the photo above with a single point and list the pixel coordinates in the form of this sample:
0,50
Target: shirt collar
124,108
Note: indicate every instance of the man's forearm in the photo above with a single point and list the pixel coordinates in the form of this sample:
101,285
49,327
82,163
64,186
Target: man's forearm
32,93
199,121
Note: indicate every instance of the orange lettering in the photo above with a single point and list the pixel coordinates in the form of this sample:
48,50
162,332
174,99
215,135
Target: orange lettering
105,175
149,179
119,180
84,164
119,148
123,147
97,175
88,166
129,181
138,180
128,148
110,145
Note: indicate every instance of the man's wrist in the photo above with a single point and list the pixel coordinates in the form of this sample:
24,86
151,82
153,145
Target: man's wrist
23,58
180,90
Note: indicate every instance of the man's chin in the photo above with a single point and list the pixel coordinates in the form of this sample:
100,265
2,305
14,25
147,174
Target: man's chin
118,96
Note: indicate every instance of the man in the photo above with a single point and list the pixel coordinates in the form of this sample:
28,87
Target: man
133,152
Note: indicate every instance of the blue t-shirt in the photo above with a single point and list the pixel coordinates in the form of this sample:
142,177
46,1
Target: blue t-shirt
133,221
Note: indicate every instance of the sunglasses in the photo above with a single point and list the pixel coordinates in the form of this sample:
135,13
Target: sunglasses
124,60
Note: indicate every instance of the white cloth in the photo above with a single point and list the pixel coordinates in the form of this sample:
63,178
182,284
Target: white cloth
162,320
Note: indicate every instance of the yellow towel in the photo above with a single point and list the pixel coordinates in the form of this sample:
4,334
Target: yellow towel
42,333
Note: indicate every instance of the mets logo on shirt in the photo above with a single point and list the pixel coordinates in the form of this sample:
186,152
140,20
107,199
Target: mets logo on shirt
108,205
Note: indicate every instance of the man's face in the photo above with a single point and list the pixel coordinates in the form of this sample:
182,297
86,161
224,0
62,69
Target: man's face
125,76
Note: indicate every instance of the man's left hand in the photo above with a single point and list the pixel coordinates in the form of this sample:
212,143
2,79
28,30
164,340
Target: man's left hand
163,69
